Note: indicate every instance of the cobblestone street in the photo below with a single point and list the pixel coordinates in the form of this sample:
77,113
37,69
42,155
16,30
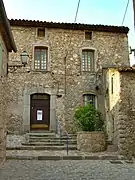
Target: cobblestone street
63,170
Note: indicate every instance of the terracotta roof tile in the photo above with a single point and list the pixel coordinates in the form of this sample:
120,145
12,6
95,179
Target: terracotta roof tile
76,26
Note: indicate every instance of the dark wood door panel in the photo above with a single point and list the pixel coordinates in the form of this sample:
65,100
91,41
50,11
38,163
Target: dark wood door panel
41,103
40,113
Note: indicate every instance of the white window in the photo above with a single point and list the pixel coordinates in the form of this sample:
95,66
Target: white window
87,60
40,58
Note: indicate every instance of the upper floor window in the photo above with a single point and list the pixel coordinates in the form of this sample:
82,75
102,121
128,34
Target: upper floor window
88,35
40,58
89,99
87,60
41,32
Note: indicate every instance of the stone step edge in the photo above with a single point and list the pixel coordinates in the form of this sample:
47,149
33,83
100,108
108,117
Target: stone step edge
56,137
48,144
67,157
51,141
70,147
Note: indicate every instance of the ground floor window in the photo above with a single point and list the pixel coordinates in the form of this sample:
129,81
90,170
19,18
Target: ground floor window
89,98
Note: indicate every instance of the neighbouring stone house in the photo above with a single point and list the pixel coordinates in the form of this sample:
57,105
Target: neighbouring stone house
119,93
6,45
65,68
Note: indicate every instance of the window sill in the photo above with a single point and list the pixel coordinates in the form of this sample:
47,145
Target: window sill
88,72
42,71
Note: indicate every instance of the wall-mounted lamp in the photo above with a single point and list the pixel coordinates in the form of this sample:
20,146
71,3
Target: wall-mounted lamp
24,58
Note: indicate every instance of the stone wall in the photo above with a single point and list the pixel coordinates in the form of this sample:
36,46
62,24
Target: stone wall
2,122
126,126
91,141
112,98
3,100
69,91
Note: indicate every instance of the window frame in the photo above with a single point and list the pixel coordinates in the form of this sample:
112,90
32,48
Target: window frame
85,35
92,63
47,58
90,94
41,28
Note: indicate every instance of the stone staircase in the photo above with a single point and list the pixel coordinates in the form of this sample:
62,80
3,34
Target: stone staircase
111,147
47,141
49,146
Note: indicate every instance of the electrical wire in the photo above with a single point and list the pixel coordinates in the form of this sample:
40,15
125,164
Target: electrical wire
123,19
77,9
65,59
125,12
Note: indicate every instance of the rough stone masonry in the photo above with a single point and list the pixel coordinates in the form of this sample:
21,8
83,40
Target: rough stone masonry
64,80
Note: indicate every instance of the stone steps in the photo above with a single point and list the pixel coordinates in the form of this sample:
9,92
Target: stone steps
43,144
47,146
115,158
61,155
45,141
112,148
48,134
28,147
52,141
51,138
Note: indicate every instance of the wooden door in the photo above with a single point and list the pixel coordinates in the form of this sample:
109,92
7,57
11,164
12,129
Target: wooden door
40,111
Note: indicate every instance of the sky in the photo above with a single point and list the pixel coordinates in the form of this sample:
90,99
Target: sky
107,12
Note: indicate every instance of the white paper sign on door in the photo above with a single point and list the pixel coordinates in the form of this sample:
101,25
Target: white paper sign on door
39,115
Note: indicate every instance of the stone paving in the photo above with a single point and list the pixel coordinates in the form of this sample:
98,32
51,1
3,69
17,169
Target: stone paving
67,170
61,155
55,153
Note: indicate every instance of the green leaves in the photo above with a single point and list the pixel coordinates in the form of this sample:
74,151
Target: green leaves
88,118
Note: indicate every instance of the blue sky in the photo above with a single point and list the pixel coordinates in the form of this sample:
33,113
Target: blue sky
109,12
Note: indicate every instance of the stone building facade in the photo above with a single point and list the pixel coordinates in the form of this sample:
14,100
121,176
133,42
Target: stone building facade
119,92
6,45
64,69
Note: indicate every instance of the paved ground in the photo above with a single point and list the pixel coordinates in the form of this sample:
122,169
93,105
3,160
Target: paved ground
66,170
55,153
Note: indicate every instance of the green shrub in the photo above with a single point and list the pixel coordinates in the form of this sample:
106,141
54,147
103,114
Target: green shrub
87,118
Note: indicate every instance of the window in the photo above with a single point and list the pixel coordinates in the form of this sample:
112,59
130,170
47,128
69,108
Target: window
89,98
88,60
88,35
41,32
40,58
40,96
112,84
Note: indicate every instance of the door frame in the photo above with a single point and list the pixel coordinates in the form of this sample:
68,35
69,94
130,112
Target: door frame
26,111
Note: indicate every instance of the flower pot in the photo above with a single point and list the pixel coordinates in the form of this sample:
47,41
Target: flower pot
91,141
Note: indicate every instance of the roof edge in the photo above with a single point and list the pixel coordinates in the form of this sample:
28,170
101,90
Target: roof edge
121,68
76,26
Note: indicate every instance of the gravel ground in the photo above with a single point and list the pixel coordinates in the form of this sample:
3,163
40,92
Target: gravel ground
64,170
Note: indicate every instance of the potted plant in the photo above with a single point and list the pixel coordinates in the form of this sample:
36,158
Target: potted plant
91,137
